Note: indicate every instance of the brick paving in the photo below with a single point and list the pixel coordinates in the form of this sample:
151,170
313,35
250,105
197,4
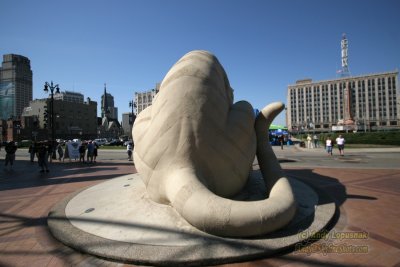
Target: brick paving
367,201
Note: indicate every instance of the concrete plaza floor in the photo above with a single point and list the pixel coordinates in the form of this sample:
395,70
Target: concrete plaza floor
365,184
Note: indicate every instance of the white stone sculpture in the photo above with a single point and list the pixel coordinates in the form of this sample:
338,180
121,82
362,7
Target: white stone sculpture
194,150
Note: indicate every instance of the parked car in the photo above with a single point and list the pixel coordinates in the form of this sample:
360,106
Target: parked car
114,142
124,138
100,141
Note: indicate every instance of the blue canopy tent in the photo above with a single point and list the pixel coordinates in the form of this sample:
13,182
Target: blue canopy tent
277,127
276,132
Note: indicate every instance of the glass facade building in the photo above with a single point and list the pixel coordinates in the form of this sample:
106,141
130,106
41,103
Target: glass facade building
15,86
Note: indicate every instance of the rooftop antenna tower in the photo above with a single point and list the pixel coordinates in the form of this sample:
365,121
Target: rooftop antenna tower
344,72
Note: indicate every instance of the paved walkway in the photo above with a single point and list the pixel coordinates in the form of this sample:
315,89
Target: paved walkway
368,216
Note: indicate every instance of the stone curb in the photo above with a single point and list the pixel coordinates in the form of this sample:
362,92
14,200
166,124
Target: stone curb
213,249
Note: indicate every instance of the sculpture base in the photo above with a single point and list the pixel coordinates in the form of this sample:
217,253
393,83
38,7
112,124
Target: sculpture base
116,220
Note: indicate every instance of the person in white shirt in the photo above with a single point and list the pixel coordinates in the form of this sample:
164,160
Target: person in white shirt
328,144
340,142
129,149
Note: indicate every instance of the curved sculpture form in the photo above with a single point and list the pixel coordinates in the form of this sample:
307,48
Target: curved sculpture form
194,150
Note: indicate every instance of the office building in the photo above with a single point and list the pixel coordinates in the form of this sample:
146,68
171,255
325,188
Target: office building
127,123
145,99
71,119
15,85
367,102
69,96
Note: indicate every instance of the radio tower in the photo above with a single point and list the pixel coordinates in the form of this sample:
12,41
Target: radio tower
344,72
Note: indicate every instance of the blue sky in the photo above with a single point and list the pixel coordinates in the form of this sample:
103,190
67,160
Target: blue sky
263,45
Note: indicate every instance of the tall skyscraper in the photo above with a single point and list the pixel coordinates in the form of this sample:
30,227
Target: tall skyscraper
15,85
107,105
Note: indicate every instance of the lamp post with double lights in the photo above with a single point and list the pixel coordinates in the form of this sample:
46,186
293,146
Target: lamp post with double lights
50,86
132,104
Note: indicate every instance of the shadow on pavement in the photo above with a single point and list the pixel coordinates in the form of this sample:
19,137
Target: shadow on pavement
26,174
330,185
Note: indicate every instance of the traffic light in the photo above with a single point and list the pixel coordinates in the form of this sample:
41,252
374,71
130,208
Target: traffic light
45,117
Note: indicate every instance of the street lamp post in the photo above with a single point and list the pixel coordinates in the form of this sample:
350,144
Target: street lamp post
364,113
18,130
50,86
132,104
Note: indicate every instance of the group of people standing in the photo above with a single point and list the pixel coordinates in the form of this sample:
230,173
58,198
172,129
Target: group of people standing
313,142
45,151
10,148
90,150
340,143
42,150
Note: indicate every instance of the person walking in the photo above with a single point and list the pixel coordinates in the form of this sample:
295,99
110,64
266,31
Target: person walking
10,149
90,152
287,140
316,141
42,155
309,145
60,151
96,146
328,145
129,149
82,150
66,152
50,151
32,151
280,140
340,143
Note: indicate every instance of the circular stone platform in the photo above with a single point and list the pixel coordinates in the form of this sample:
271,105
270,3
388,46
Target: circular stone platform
116,220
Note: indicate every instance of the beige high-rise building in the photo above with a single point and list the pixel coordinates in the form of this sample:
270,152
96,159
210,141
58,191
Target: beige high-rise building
145,99
367,102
